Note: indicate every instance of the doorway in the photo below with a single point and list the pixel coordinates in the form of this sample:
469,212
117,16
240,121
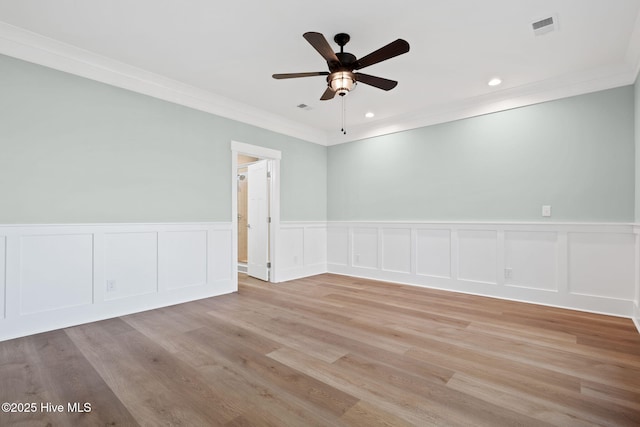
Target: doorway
255,208
253,216
243,205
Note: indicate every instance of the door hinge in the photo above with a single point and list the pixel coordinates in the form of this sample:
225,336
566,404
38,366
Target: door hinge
269,220
268,174
268,265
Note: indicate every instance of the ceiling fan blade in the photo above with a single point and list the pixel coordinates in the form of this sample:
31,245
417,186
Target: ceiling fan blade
321,44
328,94
296,75
379,82
395,48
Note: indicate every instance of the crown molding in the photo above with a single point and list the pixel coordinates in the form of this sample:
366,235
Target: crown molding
32,47
22,44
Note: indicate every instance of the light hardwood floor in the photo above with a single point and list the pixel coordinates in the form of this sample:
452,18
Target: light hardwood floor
332,350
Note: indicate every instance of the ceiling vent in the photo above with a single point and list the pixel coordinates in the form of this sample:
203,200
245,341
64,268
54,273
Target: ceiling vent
303,107
544,26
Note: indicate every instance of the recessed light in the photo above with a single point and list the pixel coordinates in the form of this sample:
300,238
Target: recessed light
369,115
494,81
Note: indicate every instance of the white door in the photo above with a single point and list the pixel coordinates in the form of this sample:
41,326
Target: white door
258,221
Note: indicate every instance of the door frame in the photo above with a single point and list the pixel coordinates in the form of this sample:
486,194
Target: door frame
273,156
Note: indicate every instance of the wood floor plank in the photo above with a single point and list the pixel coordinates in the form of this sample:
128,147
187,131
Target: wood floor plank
563,361
542,410
607,393
257,323
321,396
72,379
145,379
419,409
566,409
262,400
366,414
366,391
450,402
327,332
332,350
23,380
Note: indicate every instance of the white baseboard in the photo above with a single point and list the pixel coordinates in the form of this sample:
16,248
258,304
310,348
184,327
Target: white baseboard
301,272
636,316
57,276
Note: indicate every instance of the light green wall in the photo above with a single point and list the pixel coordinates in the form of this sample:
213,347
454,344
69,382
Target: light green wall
575,154
76,151
636,87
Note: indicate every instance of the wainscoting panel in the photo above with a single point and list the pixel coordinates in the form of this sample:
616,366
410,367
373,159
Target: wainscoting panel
477,256
396,250
433,253
183,256
54,276
588,267
291,254
601,264
533,255
338,246
302,250
131,264
315,246
56,272
220,260
365,247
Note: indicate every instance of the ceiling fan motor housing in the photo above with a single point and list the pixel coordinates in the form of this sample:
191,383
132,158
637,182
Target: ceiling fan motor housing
347,62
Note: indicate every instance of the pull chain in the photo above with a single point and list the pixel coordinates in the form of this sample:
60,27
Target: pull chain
344,114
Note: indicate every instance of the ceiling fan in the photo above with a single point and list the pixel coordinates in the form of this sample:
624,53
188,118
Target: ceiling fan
341,77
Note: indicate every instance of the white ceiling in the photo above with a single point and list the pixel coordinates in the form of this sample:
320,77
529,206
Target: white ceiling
224,53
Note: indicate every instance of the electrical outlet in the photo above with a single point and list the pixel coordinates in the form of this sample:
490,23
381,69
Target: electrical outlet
295,259
357,257
111,285
546,210
508,273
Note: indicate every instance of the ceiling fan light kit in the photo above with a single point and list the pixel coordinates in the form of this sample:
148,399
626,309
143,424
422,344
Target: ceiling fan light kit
341,82
341,78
